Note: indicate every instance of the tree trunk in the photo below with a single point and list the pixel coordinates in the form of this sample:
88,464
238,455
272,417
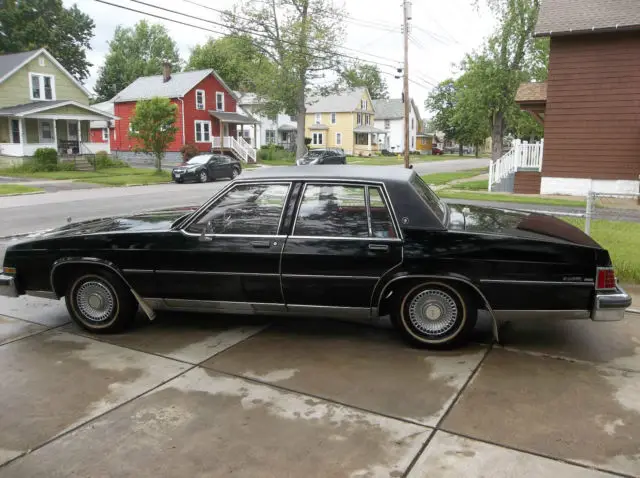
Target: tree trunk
460,150
301,147
158,163
497,135
477,150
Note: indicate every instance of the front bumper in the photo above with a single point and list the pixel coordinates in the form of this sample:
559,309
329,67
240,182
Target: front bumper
182,176
8,286
610,307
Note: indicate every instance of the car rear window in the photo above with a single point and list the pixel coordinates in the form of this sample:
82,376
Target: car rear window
438,207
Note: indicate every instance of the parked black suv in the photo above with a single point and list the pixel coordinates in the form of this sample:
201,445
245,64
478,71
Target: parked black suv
323,156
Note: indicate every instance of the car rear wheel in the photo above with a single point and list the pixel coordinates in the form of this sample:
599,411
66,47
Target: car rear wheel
100,302
235,172
203,177
434,315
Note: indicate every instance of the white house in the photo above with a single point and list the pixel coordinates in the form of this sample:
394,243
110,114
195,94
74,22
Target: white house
390,117
280,129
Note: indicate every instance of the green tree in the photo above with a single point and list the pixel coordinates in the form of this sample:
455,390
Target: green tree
234,57
135,52
442,102
301,38
495,74
153,124
65,32
364,74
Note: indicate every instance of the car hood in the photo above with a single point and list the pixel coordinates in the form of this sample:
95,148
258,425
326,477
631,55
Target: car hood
519,224
160,220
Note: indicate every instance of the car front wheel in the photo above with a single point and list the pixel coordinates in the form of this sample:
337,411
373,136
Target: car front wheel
435,316
235,172
100,302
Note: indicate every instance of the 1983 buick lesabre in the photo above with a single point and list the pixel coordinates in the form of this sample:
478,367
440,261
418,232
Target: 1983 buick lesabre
331,241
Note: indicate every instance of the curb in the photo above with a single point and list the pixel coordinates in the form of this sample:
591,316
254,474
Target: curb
21,194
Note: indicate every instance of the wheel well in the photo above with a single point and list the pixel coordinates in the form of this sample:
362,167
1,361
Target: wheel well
63,274
396,291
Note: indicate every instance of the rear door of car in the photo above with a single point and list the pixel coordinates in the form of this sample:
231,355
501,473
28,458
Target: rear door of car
343,238
217,166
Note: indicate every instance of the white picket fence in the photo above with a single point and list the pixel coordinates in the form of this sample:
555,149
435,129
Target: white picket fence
522,156
239,146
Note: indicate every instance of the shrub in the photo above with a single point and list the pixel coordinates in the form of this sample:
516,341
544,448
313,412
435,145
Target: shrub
307,141
45,159
66,166
102,160
188,151
274,153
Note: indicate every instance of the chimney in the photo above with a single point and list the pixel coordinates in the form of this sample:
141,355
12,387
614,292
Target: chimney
166,71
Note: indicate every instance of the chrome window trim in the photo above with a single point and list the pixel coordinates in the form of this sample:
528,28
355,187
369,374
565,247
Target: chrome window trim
199,212
246,236
385,197
367,204
535,282
339,238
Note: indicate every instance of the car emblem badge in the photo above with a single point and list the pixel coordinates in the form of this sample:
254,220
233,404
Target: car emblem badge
405,220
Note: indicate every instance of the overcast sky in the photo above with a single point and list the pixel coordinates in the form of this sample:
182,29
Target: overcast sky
443,31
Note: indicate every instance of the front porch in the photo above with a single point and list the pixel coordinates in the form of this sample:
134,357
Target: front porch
64,127
365,141
235,145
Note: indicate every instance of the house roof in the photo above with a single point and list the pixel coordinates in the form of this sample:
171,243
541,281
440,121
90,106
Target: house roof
566,17
368,129
391,109
147,87
42,106
346,102
532,92
11,63
237,118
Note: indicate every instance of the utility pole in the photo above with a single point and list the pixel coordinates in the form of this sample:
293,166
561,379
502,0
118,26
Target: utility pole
406,7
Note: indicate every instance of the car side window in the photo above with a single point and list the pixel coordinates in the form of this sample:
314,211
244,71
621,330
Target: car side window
332,211
381,222
253,209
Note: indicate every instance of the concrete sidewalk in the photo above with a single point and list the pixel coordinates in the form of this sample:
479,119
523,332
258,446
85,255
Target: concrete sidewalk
219,396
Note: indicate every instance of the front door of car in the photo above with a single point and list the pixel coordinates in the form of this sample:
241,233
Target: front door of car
230,254
216,167
343,240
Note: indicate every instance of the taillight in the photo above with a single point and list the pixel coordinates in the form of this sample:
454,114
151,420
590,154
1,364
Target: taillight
605,279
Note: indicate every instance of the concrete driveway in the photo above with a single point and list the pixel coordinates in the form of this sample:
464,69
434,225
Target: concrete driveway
220,396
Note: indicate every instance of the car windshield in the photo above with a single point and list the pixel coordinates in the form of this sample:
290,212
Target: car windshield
198,160
438,207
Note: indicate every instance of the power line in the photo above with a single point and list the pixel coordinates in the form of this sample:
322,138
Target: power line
255,32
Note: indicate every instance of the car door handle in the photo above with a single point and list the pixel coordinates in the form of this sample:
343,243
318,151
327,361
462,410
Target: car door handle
379,247
261,244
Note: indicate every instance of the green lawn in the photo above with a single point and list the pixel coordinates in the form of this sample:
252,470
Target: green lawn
76,175
621,240
10,189
387,160
477,196
278,162
136,179
479,185
444,178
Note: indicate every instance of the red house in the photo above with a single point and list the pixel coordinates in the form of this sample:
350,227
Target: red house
206,115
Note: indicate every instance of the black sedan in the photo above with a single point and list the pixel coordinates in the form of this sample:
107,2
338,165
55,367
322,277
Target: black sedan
323,156
350,241
207,167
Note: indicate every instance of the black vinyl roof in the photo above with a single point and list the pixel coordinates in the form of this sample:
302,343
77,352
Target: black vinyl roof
360,173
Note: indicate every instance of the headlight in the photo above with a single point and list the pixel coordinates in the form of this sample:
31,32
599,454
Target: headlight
9,270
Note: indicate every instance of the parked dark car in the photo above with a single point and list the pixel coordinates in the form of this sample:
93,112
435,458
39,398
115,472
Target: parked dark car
323,156
352,242
207,167
436,151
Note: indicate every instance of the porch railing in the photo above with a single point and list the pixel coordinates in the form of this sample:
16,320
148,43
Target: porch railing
240,147
521,156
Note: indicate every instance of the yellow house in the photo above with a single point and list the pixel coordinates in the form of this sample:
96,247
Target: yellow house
344,121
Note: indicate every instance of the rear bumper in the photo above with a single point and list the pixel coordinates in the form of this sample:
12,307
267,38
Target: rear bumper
610,307
8,286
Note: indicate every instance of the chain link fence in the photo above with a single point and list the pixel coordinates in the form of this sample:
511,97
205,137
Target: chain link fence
611,207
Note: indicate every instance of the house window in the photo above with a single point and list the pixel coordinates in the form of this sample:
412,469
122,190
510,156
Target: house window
219,101
42,87
413,143
203,131
362,139
333,118
364,105
318,119
41,61
359,119
200,99
105,134
46,131
293,118
317,138
413,124
15,131
338,139
367,119
270,136
387,124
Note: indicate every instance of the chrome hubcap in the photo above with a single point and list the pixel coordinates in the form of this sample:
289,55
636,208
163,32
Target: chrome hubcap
95,301
433,312
203,177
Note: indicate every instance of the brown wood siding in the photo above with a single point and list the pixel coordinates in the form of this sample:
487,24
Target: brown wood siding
527,182
592,119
